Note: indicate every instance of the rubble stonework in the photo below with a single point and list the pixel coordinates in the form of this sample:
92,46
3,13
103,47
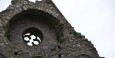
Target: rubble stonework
60,40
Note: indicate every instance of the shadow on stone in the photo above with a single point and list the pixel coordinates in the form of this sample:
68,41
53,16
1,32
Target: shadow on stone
2,56
38,57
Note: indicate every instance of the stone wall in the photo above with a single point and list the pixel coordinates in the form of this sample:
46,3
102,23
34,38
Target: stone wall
60,38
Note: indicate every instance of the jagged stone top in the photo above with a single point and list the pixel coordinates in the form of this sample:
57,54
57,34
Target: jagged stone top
19,1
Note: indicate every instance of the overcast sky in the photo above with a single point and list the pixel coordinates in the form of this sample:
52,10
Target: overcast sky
93,18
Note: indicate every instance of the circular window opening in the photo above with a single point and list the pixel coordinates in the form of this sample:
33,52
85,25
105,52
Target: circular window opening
32,36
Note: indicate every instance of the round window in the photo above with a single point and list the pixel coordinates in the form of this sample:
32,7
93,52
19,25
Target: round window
32,36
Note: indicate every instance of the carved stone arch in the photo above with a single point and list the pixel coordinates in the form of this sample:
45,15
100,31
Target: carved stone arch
45,22
41,14
47,8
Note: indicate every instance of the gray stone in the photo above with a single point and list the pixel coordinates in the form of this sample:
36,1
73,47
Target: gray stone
60,40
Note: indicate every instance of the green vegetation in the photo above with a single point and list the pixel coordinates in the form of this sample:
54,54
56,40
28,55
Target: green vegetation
78,35
54,49
7,34
60,37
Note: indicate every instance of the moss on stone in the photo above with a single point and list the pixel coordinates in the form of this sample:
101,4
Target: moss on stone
54,49
60,38
7,34
78,35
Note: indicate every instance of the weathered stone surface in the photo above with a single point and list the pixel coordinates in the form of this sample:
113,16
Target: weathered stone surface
60,40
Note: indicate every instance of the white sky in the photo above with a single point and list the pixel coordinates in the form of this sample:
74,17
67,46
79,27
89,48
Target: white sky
93,18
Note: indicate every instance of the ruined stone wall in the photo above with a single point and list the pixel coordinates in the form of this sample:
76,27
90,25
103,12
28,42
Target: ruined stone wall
60,38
